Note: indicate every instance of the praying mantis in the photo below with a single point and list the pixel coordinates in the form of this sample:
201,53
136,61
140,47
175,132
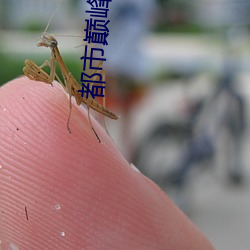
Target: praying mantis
71,86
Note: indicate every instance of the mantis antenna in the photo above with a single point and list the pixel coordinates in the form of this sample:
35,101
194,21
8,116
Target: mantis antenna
53,14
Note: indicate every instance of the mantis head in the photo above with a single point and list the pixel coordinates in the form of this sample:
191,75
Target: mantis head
47,40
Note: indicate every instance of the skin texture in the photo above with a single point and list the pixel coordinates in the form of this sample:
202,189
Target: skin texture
78,193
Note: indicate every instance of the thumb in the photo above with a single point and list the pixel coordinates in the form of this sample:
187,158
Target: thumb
68,191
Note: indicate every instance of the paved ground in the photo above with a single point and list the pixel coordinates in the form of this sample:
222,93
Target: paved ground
223,215
222,211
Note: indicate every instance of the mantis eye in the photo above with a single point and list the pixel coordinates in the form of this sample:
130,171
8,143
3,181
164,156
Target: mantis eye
53,43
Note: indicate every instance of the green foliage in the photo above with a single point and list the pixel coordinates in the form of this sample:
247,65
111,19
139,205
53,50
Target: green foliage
178,28
34,26
10,68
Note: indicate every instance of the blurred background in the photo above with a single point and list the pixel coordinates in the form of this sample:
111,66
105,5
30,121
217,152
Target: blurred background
178,75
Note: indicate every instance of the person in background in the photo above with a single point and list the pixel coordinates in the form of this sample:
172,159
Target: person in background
224,110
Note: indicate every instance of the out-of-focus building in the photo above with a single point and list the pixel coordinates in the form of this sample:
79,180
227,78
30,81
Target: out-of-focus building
217,13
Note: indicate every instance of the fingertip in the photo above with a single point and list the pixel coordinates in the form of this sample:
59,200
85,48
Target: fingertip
68,191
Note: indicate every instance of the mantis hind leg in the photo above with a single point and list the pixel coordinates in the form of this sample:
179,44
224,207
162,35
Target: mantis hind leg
70,108
73,91
92,127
